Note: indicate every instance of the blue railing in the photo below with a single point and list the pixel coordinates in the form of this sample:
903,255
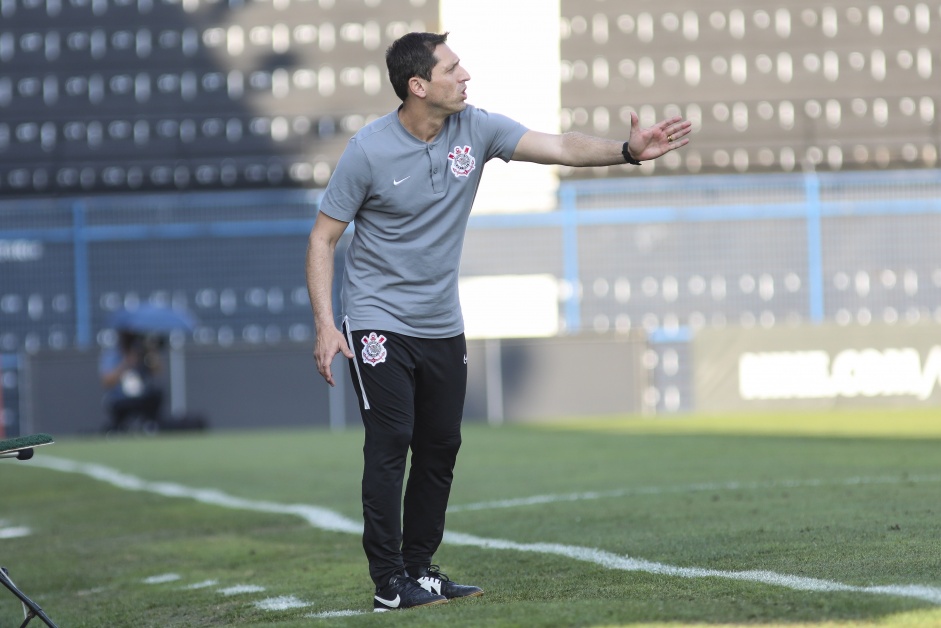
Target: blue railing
808,197
872,201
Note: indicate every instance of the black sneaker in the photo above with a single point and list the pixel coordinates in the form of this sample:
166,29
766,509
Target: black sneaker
432,580
403,592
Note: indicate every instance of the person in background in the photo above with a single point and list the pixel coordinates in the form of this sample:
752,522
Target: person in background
128,372
408,180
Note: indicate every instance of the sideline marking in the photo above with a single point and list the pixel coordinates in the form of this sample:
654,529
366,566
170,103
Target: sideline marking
238,589
318,517
534,500
329,520
15,532
166,577
626,563
332,614
200,585
281,603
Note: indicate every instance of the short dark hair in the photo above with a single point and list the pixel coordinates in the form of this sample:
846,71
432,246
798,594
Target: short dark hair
412,55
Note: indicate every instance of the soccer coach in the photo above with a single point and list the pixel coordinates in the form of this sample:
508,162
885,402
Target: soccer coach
408,181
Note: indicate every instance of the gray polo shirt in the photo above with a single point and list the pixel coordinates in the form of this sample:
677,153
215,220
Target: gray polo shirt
410,201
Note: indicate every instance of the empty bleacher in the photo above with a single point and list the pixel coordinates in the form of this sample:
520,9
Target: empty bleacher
141,96
170,95
770,88
121,95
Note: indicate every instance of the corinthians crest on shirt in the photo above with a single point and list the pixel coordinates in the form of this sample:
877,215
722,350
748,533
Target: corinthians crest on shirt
374,350
462,162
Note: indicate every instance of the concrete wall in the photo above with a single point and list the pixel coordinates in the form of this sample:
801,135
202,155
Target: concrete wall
278,386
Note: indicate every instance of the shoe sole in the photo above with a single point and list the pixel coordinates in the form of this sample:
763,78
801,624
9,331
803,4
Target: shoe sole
461,597
405,608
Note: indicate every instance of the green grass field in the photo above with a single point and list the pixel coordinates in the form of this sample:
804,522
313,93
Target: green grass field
798,520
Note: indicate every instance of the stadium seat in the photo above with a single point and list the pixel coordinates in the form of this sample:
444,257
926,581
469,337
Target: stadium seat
146,66
799,62
143,95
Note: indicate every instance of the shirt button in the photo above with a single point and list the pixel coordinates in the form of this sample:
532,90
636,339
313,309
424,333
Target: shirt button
435,171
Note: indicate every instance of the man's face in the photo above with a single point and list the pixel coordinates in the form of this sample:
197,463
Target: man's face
447,88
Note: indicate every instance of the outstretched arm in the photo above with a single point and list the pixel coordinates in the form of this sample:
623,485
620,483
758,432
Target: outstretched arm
577,149
320,250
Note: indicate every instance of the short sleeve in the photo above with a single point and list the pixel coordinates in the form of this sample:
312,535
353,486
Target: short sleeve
503,133
349,186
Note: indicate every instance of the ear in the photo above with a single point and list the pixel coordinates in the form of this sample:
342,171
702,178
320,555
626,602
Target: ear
417,87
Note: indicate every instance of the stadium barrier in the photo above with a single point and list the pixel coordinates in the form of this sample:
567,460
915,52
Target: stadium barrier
817,367
252,386
666,257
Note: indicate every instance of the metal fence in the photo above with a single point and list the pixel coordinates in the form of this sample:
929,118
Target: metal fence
668,255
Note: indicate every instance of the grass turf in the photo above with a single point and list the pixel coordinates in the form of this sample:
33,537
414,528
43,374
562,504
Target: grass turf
857,502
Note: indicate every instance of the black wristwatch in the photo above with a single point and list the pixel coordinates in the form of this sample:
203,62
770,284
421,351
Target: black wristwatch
627,155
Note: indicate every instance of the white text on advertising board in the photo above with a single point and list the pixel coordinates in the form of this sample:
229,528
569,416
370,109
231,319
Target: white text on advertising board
20,250
851,373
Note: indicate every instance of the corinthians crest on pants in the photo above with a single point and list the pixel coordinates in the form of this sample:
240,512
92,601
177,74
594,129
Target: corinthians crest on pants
374,350
462,162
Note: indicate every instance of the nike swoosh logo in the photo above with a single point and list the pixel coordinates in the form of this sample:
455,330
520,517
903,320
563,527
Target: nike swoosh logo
394,182
432,585
393,603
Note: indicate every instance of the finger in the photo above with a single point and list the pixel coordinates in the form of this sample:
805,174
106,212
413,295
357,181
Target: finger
327,374
682,133
323,365
676,136
666,124
679,143
680,127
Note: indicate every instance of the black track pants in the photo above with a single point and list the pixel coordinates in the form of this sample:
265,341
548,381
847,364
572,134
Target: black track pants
411,396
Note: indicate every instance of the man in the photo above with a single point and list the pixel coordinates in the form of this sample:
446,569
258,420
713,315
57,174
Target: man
128,372
409,180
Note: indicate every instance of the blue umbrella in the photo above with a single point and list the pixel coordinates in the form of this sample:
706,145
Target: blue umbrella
149,318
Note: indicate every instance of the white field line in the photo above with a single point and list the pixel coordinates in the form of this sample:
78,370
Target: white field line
10,531
281,603
332,614
239,589
15,532
162,578
534,500
318,517
205,584
626,563
328,520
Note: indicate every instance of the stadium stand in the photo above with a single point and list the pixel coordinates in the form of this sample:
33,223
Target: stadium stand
118,95
170,151
772,88
121,95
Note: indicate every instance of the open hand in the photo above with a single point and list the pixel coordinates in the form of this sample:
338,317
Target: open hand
659,139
